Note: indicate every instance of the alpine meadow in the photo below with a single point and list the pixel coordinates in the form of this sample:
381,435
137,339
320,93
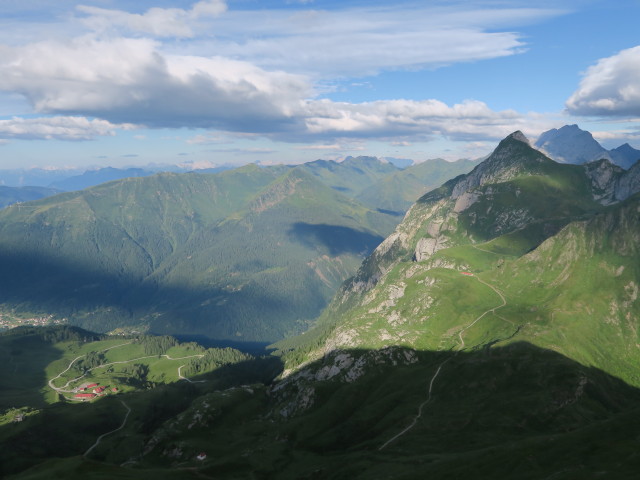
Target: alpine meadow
310,239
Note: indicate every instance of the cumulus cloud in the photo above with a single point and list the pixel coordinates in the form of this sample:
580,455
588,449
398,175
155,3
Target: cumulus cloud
610,87
57,128
468,120
160,22
128,80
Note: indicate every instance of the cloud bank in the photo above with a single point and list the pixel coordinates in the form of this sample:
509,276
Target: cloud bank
57,128
258,73
611,87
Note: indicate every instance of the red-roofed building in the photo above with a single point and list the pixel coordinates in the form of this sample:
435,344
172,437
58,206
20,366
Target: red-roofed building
84,395
91,385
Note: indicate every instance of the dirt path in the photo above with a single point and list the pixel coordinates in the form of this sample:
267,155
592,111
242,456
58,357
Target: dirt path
182,377
435,375
492,310
124,422
422,405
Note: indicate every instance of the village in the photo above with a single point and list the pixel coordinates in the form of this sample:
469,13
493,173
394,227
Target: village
89,391
7,322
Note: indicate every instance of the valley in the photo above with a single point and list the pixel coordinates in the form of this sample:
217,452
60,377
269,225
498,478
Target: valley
319,240
491,334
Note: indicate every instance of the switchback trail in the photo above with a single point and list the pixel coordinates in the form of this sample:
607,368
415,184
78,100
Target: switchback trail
124,422
66,385
435,375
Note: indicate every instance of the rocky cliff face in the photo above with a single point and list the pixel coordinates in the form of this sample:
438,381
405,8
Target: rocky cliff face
611,183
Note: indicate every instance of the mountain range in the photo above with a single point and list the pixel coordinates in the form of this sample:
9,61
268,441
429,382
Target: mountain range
570,144
252,254
492,334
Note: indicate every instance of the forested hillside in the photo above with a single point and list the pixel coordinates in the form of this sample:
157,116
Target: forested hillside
251,254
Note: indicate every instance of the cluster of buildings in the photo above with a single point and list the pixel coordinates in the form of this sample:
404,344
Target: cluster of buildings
7,322
92,390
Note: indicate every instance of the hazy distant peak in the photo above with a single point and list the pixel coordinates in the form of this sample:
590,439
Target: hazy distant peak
571,144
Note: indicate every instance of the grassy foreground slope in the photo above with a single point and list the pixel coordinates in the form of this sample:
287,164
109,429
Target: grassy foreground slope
507,412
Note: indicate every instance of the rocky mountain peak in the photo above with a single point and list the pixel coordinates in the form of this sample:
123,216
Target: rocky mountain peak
571,144
518,135
512,157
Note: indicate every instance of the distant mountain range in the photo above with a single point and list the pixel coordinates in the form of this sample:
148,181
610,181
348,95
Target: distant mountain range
11,195
570,144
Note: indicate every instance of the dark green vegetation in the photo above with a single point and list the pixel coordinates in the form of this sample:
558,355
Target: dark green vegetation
41,418
510,412
45,365
250,254
11,195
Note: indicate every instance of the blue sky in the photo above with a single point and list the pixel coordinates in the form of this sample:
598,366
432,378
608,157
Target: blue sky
110,82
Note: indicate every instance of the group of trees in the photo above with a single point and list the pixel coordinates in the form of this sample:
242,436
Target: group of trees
215,358
89,361
159,345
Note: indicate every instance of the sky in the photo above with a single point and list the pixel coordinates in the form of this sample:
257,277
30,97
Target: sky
227,82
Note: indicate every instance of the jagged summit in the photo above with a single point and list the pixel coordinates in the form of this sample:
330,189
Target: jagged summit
625,155
512,157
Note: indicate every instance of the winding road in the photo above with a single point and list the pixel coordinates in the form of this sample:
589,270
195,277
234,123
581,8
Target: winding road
66,385
124,422
435,375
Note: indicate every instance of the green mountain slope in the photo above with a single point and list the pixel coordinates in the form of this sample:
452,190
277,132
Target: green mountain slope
398,191
249,254
351,176
517,250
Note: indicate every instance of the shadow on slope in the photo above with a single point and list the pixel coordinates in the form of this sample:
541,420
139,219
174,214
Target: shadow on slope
517,412
65,431
24,355
101,299
336,238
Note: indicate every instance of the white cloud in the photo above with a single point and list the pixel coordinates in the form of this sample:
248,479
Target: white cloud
130,81
365,41
57,128
420,119
333,146
160,22
611,87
